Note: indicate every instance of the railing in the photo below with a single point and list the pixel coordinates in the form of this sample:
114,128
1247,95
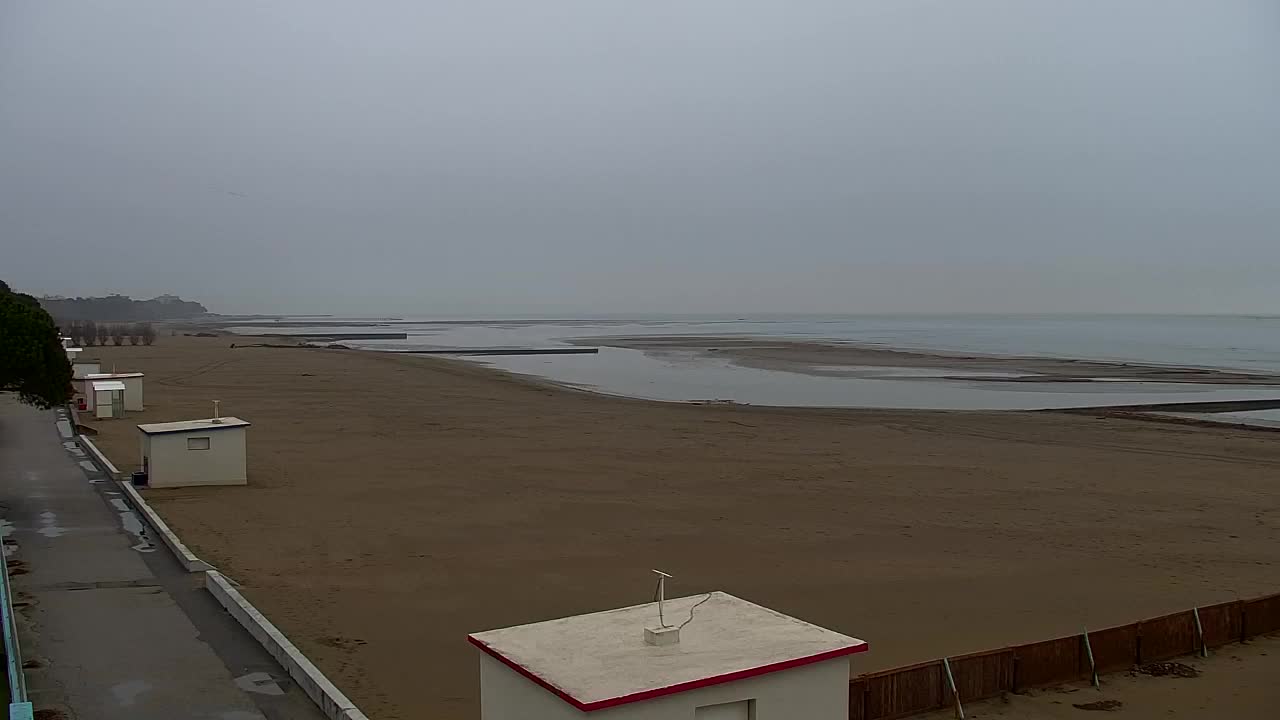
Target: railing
950,682
19,705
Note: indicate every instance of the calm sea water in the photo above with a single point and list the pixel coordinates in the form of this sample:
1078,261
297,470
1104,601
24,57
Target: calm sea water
1255,418
1250,344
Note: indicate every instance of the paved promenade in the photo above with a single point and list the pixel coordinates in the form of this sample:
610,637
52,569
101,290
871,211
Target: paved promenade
114,627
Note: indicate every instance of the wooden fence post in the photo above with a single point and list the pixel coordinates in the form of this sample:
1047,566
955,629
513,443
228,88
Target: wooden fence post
1204,649
955,693
1093,668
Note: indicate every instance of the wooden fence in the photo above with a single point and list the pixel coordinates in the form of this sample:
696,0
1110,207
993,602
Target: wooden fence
924,688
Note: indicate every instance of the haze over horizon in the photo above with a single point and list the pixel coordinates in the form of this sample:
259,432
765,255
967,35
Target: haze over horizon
587,156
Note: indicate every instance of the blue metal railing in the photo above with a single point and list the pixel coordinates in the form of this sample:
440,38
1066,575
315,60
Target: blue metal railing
19,705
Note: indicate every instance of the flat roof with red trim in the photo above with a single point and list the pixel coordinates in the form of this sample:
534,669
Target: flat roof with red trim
222,423
600,660
110,376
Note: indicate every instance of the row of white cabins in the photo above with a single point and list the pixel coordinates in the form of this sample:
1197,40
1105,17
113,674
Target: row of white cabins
105,395
210,451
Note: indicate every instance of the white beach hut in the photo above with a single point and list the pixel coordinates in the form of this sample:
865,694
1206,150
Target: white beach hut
195,452
72,353
108,398
710,657
80,369
132,392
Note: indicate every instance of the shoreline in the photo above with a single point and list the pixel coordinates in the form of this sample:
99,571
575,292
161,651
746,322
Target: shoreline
834,359
1142,412
794,358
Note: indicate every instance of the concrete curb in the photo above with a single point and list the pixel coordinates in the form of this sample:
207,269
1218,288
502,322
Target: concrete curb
326,696
187,559
97,455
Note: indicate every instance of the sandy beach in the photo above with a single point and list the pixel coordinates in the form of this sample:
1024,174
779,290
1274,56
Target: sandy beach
397,503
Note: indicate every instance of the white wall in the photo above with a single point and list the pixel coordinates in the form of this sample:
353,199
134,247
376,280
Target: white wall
82,368
101,403
171,464
132,393
507,695
813,692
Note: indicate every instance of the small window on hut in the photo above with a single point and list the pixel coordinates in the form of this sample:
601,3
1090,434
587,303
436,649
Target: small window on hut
197,443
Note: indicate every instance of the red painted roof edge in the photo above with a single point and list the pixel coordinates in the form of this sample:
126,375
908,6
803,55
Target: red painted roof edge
670,689
527,673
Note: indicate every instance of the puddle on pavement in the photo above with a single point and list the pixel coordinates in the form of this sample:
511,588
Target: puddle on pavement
49,525
127,692
132,525
259,682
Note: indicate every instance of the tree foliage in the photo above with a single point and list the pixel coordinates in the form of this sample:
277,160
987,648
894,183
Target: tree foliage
73,330
32,359
122,308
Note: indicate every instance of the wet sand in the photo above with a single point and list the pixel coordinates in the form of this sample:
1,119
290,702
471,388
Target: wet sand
397,503
845,360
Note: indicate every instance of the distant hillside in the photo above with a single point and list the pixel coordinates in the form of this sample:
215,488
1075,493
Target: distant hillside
120,308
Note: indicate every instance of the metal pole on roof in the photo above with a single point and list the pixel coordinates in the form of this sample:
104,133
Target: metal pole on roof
662,596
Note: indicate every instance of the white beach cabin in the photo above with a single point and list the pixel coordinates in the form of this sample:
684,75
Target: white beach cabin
72,353
132,388
730,660
108,398
195,452
80,369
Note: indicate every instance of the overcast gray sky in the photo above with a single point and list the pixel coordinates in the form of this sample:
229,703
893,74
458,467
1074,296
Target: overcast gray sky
571,156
